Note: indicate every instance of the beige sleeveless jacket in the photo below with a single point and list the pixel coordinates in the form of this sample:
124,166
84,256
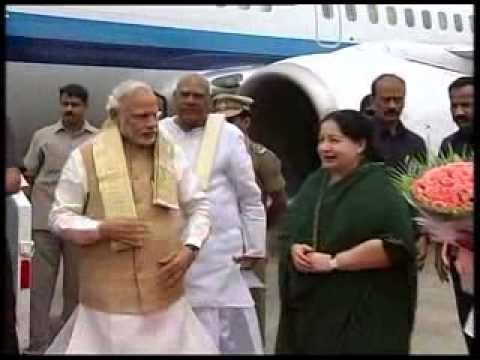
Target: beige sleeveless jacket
127,281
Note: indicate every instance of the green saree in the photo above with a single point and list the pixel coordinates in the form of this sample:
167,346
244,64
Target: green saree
367,311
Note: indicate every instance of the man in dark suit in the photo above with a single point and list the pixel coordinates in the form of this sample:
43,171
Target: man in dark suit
462,100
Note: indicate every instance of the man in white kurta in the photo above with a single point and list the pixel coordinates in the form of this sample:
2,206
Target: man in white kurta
155,319
214,285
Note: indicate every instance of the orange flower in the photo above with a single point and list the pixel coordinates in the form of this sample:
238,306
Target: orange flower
447,188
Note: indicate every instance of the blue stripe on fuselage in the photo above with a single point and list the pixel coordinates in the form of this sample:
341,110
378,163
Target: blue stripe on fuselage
95,54
51,39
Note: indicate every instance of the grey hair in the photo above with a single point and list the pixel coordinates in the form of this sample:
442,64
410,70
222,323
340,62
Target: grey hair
125,88
197,77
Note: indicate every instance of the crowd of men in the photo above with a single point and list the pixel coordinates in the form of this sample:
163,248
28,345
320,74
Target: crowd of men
161,221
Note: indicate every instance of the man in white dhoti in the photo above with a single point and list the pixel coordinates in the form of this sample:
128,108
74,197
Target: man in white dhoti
137,212
214,285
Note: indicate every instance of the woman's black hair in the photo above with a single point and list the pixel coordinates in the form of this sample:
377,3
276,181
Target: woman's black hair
357,127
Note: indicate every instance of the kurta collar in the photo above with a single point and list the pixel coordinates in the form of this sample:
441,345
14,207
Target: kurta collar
191,132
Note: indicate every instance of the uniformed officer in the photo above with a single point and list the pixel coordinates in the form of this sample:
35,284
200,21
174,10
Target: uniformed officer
46,155
267,167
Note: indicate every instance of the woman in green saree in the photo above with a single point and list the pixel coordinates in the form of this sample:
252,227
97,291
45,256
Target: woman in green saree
347,271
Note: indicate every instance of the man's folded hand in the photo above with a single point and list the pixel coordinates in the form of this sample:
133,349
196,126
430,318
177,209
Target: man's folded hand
124,230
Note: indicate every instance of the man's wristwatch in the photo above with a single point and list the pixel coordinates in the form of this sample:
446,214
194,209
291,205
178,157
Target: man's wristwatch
193,248
333,263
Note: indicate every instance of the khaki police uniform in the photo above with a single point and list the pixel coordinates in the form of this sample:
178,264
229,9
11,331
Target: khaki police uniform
47,153
268,168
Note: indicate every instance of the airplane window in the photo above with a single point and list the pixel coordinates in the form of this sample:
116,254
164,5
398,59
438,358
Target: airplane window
373,13
244,7
457,19
327,11
471,23
391,15
442,20
351,12
427,19
409,18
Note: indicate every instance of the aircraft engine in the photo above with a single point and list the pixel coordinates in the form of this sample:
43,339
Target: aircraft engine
289,101
291,96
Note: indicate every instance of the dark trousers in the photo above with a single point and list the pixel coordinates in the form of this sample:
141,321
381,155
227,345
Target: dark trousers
9,343
464,304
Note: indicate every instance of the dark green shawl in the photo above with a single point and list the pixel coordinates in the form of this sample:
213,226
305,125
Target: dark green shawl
348,311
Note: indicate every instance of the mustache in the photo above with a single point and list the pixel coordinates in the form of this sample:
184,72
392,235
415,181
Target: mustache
460,118
191,107
392,112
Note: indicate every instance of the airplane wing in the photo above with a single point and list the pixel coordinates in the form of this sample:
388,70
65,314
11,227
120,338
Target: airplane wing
462,51
293,94
456,58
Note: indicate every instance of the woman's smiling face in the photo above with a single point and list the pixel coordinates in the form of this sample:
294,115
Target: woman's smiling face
339,154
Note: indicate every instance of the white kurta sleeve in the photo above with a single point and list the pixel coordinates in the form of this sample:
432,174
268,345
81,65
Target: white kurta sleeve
193,202
70,198
252,211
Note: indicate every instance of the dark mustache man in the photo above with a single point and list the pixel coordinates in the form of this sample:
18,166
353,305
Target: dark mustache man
47,153
462,96
394,140
462,107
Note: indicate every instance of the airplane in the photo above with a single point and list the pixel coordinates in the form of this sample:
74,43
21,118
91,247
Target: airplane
297,61
99,46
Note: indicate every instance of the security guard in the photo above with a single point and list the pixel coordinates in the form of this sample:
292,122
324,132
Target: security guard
267,167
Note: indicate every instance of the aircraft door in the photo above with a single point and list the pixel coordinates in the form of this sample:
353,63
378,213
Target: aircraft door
328,27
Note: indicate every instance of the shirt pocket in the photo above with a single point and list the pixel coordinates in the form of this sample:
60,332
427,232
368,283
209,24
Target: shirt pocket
56,155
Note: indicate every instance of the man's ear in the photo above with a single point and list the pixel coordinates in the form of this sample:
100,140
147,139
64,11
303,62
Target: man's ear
247,120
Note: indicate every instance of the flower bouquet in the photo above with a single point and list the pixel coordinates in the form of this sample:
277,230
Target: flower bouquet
442,192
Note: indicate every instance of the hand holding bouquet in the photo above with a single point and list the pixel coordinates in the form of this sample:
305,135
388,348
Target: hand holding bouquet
442,192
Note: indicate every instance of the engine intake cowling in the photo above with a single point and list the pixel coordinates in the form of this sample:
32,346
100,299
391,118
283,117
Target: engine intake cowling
289,102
